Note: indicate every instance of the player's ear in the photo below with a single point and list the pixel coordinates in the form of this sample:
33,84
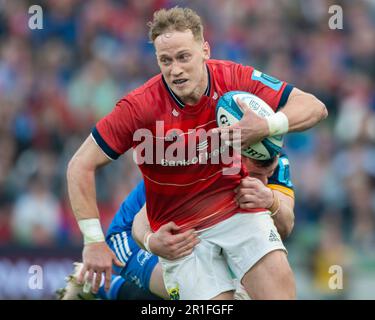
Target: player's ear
206,50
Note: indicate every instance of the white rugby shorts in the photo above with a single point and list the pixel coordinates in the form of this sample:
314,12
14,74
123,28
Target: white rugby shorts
237,243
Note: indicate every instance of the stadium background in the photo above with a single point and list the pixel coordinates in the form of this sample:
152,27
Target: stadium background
56,82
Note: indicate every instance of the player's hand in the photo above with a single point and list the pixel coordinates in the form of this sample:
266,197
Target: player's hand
249,130
97,261
166,244
252,193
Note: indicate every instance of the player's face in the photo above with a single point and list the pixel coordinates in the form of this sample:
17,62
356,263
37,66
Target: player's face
259,172
181,59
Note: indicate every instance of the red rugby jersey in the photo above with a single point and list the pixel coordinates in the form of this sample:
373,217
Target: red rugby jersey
178,187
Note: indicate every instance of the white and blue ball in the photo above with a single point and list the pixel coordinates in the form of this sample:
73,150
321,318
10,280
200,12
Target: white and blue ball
228,113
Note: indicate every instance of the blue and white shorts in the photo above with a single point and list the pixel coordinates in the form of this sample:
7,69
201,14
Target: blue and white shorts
139,263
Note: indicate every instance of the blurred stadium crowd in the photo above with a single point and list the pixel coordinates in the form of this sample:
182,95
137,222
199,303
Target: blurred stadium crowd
55,83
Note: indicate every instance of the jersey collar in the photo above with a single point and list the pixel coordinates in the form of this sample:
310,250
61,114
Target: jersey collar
177,100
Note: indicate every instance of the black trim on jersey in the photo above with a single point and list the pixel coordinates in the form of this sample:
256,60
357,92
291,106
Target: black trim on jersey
103,145
178,101
285,95
208,89
173,96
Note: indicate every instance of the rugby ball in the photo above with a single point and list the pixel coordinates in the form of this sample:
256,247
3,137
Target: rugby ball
228,113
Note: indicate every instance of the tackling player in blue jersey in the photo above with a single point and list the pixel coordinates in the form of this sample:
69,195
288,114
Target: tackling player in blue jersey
268,185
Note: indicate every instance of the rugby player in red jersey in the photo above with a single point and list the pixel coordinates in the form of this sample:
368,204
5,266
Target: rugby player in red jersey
193,194
268,185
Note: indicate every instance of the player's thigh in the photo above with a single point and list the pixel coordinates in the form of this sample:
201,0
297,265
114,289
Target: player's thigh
245,239
140,268
229,295
138,263
202,275
157,283
270,278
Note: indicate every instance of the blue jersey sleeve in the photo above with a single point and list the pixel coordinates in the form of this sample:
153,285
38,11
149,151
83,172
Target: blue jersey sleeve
281,179
123,220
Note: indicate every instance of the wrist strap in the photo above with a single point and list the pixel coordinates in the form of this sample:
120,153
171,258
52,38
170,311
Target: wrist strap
91,230
278,124
146,241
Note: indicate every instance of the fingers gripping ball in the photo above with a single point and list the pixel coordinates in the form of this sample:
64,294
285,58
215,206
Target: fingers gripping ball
228,113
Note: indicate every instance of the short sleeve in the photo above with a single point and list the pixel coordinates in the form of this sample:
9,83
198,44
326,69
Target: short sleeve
268,88
114,133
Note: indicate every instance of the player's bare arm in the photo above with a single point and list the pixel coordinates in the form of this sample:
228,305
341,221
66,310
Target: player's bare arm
301,112
141,228
166,242
81,179
284,218
97,256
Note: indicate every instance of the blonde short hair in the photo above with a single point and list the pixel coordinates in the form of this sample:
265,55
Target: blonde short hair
175,19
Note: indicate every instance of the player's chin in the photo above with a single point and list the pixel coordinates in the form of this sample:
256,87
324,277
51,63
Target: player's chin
184,94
